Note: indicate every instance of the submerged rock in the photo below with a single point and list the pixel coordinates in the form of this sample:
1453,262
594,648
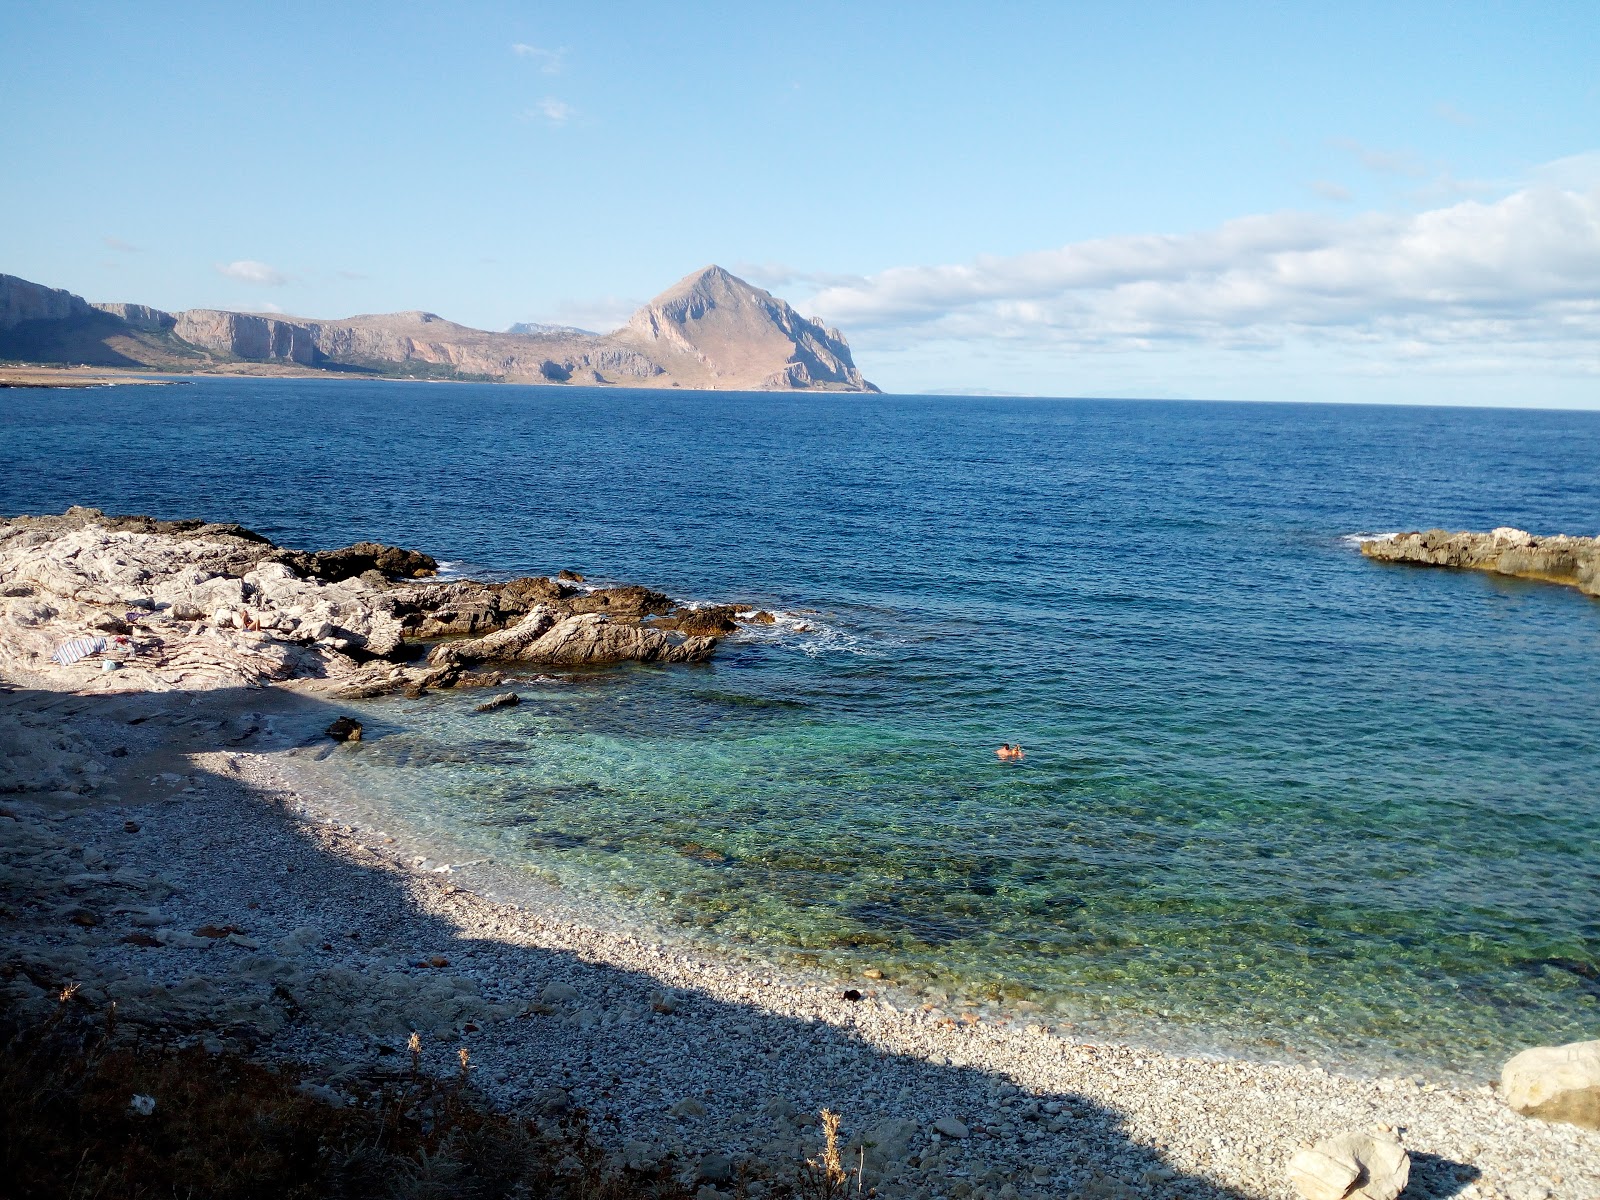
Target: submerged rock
505,700
1555,1083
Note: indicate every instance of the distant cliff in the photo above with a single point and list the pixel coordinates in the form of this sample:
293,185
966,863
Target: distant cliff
710,330
23,301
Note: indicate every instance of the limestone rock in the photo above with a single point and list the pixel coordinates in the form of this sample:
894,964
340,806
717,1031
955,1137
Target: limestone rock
1561,559
1555,1083
587,639
1351,1166
951,1128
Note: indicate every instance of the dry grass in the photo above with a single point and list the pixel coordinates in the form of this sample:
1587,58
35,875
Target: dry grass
227,1128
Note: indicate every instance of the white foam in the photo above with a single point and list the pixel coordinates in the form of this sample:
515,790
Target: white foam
1355,539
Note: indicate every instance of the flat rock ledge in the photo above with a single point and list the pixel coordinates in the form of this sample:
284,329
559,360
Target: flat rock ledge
97,603
1573,561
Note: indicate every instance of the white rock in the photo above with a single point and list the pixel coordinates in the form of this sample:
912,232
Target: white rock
1555,1083
951,1128
1351,1166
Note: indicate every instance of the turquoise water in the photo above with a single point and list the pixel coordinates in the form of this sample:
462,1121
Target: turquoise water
1277,798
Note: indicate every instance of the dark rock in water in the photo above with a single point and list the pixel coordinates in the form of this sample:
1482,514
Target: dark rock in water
629,603
505,700
702,622
852,994
763,618
570,577
345,729
356,560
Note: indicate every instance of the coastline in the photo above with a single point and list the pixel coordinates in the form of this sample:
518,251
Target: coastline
173,851
558,1011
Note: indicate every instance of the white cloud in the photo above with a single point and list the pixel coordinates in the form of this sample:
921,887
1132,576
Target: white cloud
1329,190
120,246
1501,281
550,61
248,271
556,112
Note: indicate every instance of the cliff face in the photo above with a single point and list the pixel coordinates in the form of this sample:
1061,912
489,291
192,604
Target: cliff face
710,330
23,301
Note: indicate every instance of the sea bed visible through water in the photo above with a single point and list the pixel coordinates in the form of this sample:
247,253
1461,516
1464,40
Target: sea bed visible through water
1277,799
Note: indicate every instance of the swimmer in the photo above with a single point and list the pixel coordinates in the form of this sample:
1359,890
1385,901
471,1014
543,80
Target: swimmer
1008,752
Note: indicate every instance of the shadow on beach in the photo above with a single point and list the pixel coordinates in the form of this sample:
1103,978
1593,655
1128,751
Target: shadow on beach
338,947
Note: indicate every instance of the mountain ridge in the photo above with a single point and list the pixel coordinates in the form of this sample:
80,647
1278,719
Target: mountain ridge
711,331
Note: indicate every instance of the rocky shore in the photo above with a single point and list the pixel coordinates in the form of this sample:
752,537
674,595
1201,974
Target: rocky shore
1573,561
159,605
163,847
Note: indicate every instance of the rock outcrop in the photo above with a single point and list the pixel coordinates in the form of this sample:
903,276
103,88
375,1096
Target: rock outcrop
1555,1083
710,330
185,604
581,639
1351,1166
1574,561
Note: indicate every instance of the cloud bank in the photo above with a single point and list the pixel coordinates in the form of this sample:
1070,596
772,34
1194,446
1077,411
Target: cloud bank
1513,277
249,271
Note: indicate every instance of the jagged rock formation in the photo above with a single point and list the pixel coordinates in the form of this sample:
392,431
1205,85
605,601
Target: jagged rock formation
183,604
710,330
1574,561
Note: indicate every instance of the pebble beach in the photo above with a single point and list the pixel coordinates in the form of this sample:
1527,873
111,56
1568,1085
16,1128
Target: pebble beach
216,898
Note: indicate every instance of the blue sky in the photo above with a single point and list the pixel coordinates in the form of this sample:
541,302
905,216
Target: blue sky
1252,201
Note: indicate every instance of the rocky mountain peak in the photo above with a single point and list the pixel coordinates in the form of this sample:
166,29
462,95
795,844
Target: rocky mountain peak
742,336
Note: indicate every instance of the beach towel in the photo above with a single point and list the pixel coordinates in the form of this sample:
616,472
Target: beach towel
70,652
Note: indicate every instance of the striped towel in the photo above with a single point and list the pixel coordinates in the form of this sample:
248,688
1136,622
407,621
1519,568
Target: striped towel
70,652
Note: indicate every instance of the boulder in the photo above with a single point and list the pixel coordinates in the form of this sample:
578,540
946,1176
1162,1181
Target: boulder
1555,1083
1351,1166
345,729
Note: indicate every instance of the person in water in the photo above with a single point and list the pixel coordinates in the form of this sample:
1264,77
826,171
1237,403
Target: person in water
1008,752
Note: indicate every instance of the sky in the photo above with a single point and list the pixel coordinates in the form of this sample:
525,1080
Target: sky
1394,202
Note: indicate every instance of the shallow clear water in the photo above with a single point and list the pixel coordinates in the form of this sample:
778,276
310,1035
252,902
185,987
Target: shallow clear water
1276,797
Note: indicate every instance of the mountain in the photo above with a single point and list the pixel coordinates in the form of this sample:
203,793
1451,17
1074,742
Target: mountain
710,330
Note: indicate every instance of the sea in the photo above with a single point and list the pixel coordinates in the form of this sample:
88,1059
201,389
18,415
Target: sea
1277,800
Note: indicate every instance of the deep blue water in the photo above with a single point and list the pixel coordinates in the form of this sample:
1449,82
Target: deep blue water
1276,796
